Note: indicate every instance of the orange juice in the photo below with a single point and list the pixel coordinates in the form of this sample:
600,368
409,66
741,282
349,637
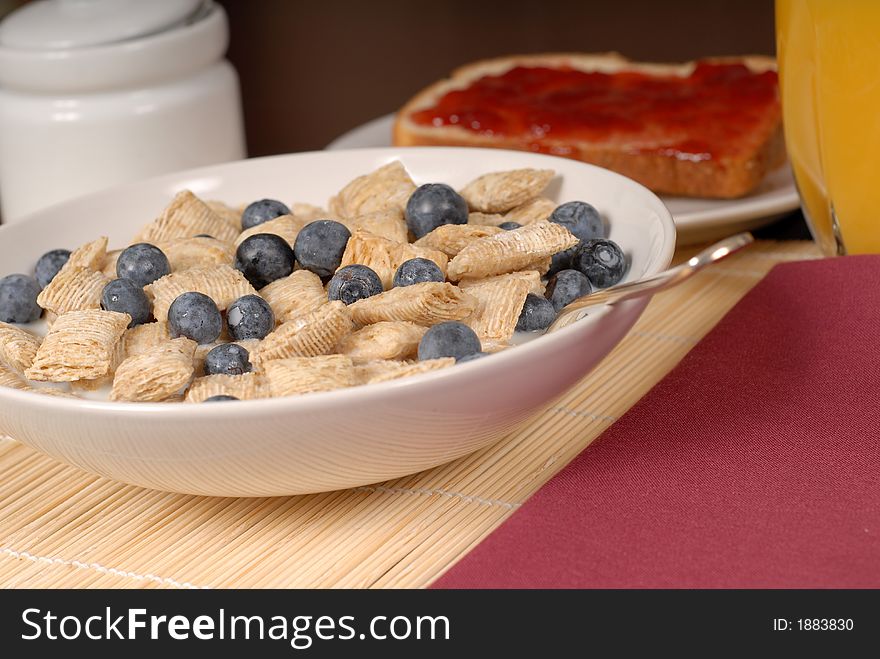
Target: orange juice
829,67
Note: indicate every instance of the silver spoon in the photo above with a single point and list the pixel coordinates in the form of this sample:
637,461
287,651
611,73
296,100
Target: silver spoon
652,284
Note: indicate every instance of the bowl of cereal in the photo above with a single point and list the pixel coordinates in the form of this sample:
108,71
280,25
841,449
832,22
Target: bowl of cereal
314,321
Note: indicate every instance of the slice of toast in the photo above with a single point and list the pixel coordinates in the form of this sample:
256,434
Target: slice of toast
715,130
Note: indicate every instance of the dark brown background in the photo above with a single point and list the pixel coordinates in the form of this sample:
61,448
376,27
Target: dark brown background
313,70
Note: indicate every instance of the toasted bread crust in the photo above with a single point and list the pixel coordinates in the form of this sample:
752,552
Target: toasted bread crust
719,178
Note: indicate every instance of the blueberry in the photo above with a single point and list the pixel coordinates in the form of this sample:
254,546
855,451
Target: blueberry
319,246
18,299
567,286
473,357
579,217
227,359
449,339
433,205
353,283
142,263
124,296
262,211
219,398
537,314
509,226
602,261
195,316
250,317
416,271
263,258
49,264
582,220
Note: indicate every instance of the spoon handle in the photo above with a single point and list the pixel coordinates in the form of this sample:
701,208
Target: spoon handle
654,283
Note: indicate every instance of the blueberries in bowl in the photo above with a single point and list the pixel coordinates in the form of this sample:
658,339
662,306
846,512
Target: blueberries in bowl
250,317
537,314
320,245
510,226
583,221
565,287
125,296
262,211
263,258
602,261
433,205
449,339
416,271
228,359
353,283
195,316
18,299
49,264
142,263
473,357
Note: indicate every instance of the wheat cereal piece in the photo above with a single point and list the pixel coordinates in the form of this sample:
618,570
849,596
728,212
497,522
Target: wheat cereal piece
309,212
303,375
383,340
247,386
90,256
500,192
534,210
510,251
18,347
73,289
95,384
452,238
156,374
426,303
82,345
387,224
384,256
532,277
295,295
226,212
222,283
314,334
486,219
286,226
109,265
412,368
141,338
389,187
197,252
499,305
187,216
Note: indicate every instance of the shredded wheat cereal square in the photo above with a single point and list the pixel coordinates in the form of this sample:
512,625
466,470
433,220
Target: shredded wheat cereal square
18,347
314,334
389,187
500,192
187,216
302,375
426,303
73,289
82,345
510,251
383,340
156,374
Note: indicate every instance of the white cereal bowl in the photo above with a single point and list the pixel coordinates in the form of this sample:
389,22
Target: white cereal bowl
346,438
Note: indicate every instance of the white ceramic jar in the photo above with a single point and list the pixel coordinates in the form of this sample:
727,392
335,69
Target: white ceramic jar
99,92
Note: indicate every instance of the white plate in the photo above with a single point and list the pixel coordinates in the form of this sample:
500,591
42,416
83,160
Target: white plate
698,220
337,439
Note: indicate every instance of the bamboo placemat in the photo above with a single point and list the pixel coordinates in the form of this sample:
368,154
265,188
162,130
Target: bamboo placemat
60,527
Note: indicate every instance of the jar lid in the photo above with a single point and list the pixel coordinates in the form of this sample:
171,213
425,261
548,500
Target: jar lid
71,24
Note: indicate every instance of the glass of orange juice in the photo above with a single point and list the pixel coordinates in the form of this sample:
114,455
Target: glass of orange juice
829,76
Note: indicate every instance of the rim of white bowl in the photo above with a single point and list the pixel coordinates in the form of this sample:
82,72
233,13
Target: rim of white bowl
340,396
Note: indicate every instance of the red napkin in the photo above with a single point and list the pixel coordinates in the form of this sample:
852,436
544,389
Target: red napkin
755,463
